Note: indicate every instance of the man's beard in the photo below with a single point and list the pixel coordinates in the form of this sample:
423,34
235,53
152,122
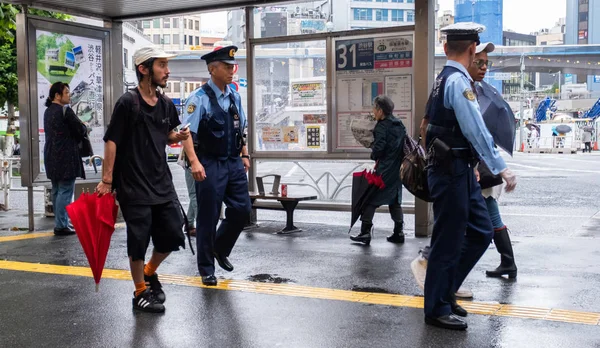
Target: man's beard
158,83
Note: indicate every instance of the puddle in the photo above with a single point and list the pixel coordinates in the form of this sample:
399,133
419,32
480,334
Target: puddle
267,278
370,289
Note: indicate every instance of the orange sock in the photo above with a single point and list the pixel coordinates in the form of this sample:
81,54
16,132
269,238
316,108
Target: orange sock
139,288
150,269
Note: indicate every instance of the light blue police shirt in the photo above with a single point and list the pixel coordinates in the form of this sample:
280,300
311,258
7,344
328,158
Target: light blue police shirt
469,118
197,106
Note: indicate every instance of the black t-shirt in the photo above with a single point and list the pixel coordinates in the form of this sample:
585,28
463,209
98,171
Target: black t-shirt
141,174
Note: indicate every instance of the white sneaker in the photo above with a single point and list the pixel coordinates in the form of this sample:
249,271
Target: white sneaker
464,293
419,270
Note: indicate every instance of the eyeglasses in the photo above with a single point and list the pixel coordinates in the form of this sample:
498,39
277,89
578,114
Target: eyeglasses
480,63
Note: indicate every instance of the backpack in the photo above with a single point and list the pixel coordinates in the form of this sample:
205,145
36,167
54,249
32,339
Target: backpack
413,172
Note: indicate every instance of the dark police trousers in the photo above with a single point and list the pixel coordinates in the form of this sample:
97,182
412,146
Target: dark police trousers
225,181
462,232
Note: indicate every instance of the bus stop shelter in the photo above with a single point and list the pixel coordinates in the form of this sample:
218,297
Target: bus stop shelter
44,55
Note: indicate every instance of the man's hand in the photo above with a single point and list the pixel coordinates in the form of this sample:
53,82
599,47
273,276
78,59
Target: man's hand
510,179
103,188
246,162
477,174
182,135
198,171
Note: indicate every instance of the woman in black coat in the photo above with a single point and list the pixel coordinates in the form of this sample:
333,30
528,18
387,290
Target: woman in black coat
387,152
63,131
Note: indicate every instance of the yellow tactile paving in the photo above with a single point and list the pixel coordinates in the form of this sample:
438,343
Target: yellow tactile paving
32,235
491,309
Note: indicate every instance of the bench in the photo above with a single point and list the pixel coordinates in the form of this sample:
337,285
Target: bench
57,68
288,203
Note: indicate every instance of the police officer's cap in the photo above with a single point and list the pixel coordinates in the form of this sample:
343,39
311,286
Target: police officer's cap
464,31
225,55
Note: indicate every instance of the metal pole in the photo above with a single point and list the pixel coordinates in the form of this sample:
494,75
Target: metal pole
271,67
559,83
521,101
472,10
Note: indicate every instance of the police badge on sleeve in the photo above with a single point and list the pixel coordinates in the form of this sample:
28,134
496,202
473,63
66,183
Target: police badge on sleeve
468,93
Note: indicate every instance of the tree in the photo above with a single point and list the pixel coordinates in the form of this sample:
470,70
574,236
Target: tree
8,52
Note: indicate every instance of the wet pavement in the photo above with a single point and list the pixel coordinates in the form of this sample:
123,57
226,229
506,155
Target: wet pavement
317,288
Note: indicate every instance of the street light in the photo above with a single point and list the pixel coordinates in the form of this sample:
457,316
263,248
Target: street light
521,100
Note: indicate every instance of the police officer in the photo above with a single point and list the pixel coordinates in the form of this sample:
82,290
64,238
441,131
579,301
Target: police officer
219,161
456,139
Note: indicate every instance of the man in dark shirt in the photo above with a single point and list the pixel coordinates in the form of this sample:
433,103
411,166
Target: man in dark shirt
135,165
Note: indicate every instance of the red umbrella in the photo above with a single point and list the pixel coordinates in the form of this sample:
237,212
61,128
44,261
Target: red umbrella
364,185
94,220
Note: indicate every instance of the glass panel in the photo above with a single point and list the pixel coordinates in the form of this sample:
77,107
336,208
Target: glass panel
166,39
175,23
290,97
167,23
156,23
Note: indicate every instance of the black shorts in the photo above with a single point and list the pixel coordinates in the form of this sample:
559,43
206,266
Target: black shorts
163,222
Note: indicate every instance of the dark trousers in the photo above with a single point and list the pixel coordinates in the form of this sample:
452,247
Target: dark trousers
225,181
394,207
588,147
462,231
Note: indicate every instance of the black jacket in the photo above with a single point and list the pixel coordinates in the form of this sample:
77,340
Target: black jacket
387,151
64,132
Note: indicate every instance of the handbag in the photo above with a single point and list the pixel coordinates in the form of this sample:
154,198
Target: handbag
413,172
85,145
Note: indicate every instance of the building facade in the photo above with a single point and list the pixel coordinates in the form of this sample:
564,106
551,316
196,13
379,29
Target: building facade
513,85
486,12
583,27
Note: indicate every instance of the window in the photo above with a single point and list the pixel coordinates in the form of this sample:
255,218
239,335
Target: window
363,14
196,25
364,0
397,15
146,24
156,23
176,87
125,60
190,40
410,16
197,41
168,88
175,39
410,1
167,39
398,1
381,0
167,23
185,39
184,24
191,25
381,15
156,39
175,23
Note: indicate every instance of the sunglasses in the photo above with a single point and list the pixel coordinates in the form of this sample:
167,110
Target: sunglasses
480,63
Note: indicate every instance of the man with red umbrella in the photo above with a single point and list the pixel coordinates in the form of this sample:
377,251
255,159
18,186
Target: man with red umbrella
135,165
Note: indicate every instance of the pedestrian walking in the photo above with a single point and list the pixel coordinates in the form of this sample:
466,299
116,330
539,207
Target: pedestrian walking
219,161
387,152
143,123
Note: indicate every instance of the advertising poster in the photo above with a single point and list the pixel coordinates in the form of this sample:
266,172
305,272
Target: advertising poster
308,94
290,134
365,68
77,61
272,134
313,137
314,118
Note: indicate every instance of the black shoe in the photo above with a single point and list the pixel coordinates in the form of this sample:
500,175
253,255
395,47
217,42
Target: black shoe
223,262
63,231
146,302
397,238
458,310
209,280
450,321
365,235
155,287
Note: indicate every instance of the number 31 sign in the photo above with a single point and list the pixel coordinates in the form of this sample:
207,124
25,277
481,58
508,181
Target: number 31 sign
355,54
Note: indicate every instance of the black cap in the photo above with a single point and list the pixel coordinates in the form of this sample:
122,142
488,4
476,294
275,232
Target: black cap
225,55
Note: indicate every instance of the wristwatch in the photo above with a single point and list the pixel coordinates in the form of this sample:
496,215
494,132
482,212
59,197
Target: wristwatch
246,156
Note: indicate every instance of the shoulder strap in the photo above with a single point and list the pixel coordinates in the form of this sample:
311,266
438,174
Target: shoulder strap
136,102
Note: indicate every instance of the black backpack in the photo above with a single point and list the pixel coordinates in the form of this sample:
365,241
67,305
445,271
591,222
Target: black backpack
413,172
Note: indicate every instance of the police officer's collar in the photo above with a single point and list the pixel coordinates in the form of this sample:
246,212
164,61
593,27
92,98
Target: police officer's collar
457,65
218,91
